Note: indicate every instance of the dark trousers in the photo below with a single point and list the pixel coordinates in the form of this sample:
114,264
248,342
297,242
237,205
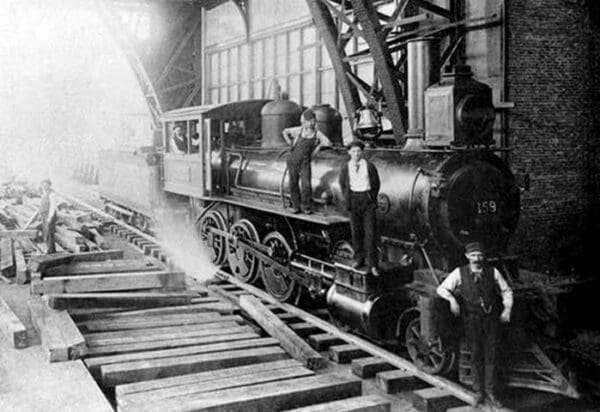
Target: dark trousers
482,335
49,229
300,173
362,223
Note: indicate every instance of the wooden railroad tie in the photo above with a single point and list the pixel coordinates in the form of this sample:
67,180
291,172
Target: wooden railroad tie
345,353
397,380
290,341
369,367
434,399
368,403
279,395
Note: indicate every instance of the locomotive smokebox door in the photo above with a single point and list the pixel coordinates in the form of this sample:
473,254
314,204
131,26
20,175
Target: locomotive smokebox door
459,111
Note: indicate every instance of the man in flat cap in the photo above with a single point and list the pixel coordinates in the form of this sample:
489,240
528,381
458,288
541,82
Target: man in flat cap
305,142
360,184
48,213
485,301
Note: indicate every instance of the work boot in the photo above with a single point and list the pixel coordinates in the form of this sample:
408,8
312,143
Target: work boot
358,264
296,211
494,401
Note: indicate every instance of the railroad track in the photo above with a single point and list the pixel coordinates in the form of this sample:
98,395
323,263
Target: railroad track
353,361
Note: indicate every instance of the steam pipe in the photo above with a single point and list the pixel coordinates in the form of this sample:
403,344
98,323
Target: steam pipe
423,71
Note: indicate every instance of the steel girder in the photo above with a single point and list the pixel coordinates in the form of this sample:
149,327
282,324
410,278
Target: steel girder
166,59
386,35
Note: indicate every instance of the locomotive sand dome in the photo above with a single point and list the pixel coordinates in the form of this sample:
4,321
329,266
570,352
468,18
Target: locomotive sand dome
276,116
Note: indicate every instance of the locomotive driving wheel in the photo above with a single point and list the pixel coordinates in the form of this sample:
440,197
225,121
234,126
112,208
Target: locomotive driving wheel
277,283
243,265
429,356
215,242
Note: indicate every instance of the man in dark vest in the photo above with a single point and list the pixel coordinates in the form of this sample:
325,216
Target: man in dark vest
360,184
306,141
48,213
179,141
485,301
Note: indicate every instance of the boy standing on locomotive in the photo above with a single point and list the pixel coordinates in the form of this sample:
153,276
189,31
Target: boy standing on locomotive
305,142
482,292
360,184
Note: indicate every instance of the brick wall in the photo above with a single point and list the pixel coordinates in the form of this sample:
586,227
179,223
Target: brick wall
549,78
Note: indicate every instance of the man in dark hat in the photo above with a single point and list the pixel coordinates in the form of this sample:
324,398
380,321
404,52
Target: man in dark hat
360,184
485,301
48,213
306,141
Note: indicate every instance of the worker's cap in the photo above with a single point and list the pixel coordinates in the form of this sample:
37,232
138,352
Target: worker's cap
356,143
308,114
47,181
474,247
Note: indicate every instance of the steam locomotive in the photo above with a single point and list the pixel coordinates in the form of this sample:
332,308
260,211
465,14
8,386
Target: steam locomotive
446,186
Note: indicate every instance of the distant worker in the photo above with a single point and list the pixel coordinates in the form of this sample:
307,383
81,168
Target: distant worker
360,185
305,142
48,210
485,301
179,141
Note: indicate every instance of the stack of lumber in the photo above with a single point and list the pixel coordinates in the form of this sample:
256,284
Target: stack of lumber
12,260
189,356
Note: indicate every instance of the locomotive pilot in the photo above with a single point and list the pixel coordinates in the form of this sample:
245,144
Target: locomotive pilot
485,301
305,142
359,182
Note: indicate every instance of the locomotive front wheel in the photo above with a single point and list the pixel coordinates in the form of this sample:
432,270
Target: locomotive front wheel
216,243
277,283
429,356
245,266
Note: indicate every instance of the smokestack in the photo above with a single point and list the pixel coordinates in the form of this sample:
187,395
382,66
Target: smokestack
423,70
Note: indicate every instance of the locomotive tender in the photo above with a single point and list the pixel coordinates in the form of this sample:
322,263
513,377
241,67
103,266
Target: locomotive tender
444,187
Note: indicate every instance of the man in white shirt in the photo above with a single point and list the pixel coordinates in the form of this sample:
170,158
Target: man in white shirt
305,142
48,210
485,301
360,184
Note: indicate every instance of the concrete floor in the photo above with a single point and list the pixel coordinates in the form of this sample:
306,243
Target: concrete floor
29,383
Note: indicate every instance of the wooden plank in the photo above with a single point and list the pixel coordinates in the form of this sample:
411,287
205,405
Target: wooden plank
271,396
41,263
6,257
18,234
12,327
193,389
60,337
168,343
109,282
180,380
434,399
109,266
145,322
134,299
205,321
369,403
291,342
345,353
369,367
304,329
127,372
323,341
114,313
21,267
398,381
172,333
94,364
